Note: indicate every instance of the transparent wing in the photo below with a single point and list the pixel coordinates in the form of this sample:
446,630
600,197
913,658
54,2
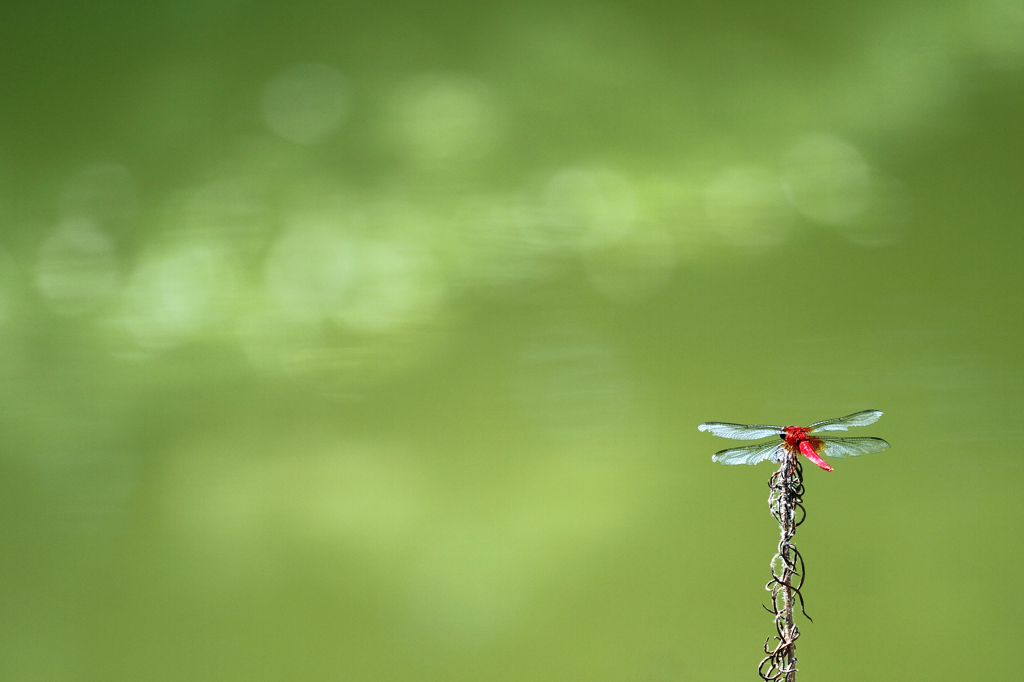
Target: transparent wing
751,454
842,423
848,447
740,431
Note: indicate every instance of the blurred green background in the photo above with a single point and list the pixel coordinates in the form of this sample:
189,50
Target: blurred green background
362,341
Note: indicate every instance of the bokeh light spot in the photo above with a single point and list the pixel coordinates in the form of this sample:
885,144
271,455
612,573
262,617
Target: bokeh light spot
305,103
175,294
77,268
589,207
395,284
330,292
998,30
445,118
311,266
827,179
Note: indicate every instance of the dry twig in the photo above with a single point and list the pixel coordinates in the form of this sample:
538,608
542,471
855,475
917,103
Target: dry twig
785,498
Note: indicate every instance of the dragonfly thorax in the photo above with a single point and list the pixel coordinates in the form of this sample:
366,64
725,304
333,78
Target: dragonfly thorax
793,435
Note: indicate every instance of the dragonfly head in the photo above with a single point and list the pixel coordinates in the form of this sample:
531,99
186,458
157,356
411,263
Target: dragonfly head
794,434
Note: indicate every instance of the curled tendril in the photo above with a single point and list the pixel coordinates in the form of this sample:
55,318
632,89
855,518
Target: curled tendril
787,567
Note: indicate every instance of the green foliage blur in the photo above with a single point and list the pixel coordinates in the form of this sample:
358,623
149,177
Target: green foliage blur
368,341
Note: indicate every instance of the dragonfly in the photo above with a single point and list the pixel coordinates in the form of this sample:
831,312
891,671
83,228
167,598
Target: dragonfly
796,439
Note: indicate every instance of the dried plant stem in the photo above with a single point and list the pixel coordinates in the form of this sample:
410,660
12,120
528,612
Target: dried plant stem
785,498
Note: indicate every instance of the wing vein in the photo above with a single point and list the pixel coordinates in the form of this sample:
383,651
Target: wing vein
750,454
740,431
862,418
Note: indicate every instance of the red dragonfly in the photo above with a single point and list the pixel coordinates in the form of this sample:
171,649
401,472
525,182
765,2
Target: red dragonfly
796,439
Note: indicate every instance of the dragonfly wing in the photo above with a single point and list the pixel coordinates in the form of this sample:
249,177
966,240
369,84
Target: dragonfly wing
842,423
740,431
751,454
849,447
